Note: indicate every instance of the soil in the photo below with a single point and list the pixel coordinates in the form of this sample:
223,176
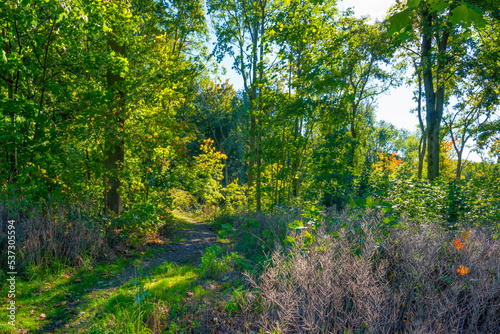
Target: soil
189,249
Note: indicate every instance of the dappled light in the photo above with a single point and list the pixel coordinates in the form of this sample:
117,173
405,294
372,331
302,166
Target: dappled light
228,166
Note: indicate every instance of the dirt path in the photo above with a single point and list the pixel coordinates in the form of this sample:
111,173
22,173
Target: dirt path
189,249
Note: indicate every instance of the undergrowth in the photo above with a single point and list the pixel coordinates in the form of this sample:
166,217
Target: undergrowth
366,270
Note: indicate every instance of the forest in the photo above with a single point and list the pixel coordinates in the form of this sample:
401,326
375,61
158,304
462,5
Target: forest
141,192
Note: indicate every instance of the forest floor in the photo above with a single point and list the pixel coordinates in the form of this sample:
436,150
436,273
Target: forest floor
161,282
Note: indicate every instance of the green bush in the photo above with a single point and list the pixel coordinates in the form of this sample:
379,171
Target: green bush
217,262
137,222
183,200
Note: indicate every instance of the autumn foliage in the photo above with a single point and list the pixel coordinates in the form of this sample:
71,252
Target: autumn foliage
388,163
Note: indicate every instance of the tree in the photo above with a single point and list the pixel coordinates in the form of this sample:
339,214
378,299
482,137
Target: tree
240,27
299,33
114,145
216,111
438,24
43,70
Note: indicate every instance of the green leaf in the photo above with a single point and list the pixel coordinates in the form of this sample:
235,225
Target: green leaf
296,224
413,3
466,15
399,21
370,202
388,220
403,36
438,5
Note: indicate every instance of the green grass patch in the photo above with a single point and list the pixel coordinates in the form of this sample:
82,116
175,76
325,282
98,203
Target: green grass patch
169,298
46,296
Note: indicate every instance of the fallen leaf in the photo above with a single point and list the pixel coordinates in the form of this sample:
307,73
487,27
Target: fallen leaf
465,234
462,270
458,244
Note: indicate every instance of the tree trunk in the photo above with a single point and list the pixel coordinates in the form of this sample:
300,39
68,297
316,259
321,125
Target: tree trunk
459,167
251,158
296,160
12,153
434,99
114,151
423,140
430,100
258,194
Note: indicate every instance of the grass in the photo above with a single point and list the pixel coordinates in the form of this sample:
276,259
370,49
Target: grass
52,292
169,298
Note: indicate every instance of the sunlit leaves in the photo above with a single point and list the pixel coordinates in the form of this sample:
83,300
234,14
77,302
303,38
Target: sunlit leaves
466,15
400,21
413,3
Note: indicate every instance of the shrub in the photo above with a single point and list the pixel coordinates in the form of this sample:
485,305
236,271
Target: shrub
183,200
51,233
235,198
216,262
136,223
415,280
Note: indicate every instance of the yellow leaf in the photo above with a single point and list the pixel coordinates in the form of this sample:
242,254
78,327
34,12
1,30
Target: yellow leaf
465,234
462,270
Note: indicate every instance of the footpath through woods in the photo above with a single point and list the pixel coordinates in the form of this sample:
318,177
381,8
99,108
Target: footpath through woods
184,247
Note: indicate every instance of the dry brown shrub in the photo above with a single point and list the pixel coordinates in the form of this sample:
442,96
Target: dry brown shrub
405,283
50,233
